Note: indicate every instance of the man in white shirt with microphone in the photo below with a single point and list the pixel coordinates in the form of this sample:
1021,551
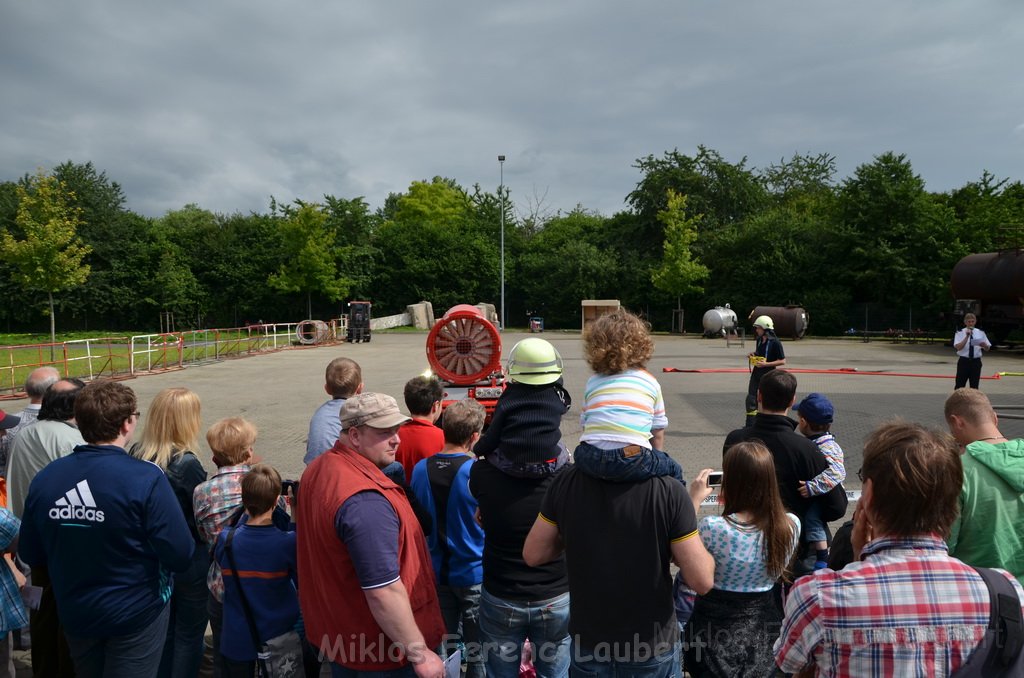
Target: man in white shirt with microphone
969,343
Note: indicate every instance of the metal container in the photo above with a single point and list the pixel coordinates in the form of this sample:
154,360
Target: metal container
992,277
790,321
719,321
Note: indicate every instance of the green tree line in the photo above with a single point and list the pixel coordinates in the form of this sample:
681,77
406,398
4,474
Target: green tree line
696,231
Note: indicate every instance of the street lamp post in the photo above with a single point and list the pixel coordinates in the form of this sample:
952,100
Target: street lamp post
501,193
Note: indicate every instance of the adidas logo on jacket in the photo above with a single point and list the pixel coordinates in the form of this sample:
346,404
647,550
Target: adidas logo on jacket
77,503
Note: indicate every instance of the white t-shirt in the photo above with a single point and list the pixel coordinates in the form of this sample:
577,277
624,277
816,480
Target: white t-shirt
978,339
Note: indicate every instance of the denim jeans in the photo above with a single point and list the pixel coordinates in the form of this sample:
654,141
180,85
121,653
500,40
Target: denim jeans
521,469
616,466
7,655
587,664
506,624
128,656
183,651
233,669
814,526
461,605
339,671
215,610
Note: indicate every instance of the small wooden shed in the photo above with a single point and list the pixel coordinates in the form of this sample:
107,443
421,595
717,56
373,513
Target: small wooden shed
595,308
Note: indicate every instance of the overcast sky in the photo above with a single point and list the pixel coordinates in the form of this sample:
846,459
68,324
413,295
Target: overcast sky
225,103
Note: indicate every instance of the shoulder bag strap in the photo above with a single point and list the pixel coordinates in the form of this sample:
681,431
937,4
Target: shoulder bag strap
249,617
1005,619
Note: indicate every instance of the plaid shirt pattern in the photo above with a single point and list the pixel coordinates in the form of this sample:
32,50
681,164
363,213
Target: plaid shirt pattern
907,609
12,610
214,501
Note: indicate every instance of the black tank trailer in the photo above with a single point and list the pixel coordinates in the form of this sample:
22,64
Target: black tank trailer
790,321
991,286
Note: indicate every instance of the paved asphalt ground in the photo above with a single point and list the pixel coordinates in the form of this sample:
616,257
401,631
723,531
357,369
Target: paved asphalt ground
279,391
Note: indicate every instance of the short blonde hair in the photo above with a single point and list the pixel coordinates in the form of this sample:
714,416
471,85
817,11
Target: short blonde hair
172,426
230,440
618,341
971,405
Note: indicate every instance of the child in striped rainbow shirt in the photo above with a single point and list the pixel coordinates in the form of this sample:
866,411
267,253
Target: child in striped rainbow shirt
623,413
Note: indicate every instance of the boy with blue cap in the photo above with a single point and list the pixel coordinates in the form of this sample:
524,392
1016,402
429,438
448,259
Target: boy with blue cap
816,415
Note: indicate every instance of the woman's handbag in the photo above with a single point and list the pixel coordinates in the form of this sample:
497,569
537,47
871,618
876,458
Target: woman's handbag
280,656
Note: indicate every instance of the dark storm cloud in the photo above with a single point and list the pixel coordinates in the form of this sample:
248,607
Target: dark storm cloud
225,104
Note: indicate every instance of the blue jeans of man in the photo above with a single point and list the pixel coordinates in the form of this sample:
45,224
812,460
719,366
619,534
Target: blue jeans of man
129,656
627,464
183,651
460,605
506,624
339,671
588,663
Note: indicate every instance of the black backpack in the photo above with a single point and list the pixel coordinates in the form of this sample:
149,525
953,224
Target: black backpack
1000,652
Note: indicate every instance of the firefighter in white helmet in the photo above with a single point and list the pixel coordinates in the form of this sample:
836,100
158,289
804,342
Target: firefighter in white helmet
767,355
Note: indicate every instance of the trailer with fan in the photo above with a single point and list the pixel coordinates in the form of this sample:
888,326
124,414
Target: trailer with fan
464,352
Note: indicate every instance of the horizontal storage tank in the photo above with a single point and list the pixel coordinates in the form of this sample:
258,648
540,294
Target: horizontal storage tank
719,320
992,277
790,321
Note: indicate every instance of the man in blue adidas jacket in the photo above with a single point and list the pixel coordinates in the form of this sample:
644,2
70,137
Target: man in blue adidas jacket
109,529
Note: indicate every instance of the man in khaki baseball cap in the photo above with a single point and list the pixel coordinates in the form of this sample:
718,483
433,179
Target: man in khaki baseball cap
371,409
370,422
363,553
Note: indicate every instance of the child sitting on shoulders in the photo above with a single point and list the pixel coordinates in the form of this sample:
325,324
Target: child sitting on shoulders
816,414
525,436
623,413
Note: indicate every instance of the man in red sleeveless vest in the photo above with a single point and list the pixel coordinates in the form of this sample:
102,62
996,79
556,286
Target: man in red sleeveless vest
367,587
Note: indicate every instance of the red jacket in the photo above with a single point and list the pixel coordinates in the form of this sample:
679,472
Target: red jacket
337,617
419,439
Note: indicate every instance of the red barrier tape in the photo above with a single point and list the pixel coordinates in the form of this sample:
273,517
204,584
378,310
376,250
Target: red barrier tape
842,370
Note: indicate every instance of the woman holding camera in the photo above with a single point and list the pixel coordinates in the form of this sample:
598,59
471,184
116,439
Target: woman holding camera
753,543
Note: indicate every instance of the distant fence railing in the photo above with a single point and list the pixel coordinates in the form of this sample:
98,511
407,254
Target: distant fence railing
83,358
127,356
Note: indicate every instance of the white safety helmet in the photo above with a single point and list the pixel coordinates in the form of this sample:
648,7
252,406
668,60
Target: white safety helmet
764,322
534,361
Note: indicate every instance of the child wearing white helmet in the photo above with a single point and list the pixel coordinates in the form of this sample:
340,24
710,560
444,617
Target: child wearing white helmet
525,435
623,413
767,355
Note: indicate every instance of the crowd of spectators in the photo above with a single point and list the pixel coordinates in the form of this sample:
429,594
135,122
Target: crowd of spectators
495,549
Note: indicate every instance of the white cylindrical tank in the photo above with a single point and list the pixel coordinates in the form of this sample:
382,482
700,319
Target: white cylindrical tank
719,321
